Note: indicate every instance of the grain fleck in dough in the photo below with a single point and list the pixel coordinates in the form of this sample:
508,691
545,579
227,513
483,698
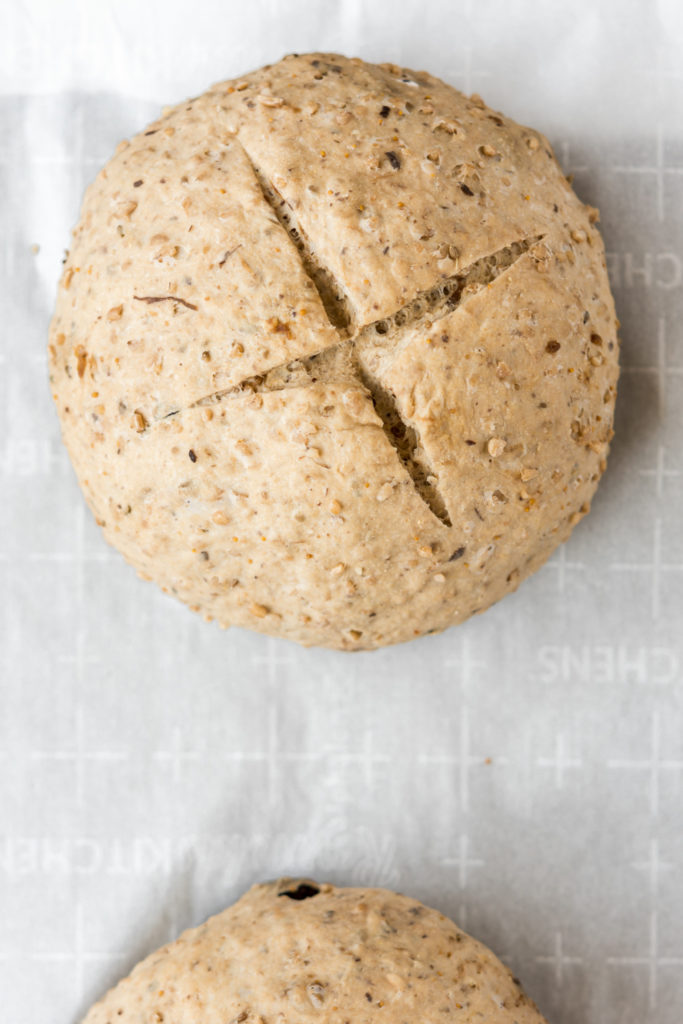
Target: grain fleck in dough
297,951
335,353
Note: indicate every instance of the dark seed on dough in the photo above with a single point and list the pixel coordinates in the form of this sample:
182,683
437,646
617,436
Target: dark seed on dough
304,891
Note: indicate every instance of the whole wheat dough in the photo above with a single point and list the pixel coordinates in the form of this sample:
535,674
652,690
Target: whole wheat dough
335,353
297,951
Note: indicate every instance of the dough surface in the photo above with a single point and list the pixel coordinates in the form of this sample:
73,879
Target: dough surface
334,353
294,951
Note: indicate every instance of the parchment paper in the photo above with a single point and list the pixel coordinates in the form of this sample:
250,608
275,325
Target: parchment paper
524,772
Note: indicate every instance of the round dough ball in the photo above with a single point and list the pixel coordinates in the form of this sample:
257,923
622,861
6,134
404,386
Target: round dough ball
335,353
294,950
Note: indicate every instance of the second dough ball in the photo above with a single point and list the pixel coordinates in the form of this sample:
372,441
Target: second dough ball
297,951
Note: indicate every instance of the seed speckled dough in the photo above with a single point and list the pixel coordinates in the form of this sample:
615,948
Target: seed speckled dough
335,313
294,950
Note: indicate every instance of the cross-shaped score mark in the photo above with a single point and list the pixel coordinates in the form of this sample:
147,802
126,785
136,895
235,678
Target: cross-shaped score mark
358,353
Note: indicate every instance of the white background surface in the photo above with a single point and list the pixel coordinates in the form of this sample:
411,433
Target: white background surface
524,773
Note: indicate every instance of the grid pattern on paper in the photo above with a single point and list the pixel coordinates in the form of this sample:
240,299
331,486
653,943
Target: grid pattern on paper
524,772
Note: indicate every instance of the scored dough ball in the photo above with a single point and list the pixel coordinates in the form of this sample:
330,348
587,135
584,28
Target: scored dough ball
294,950
335,353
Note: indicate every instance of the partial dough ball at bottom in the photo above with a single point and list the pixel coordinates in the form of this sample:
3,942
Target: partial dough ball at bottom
335,353
297,951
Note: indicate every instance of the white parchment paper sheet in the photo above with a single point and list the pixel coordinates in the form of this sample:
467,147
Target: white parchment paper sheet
524,773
